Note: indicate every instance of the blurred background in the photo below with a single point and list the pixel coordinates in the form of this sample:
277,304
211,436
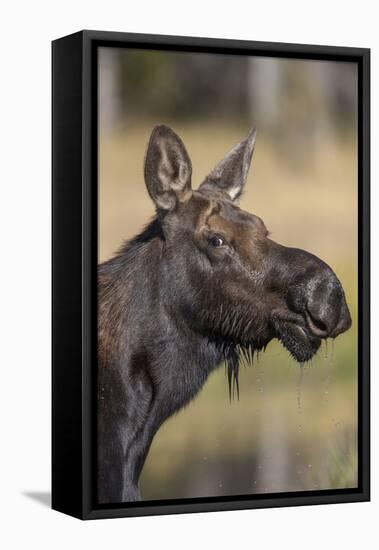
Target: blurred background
292,429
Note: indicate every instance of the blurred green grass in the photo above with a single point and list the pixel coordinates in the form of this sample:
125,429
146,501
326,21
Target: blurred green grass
292,429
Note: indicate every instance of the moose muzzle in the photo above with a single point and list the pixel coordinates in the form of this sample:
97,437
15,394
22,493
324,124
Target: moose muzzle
315,303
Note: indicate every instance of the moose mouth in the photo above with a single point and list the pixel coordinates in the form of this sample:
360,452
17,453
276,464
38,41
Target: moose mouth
298,340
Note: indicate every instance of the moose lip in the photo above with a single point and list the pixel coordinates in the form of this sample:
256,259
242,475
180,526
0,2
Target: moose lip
300,343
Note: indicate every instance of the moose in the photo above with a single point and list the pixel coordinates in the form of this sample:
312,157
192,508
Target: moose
202,285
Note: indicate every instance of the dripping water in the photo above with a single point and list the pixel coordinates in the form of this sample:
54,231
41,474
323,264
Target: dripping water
299,395
329,366
300,386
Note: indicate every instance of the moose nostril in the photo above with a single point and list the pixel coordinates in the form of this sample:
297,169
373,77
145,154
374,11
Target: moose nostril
317,326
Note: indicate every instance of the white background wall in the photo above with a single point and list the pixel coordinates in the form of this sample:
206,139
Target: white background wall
26,31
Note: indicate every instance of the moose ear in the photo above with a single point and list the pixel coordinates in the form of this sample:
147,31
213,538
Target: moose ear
229,176
168,169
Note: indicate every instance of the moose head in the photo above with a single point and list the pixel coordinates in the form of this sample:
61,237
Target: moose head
201,284
229,280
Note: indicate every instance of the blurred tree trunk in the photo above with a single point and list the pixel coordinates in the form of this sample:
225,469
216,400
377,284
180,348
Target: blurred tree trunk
110,89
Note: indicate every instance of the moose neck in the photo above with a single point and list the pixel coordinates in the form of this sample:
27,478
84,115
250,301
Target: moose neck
139,299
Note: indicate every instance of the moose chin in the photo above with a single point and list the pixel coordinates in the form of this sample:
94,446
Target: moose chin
201,285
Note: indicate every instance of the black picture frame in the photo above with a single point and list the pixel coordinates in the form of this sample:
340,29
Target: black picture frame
74,204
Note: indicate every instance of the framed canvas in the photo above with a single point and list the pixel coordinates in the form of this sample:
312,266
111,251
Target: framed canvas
210,274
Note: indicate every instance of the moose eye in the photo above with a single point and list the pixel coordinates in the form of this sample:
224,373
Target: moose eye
216,241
